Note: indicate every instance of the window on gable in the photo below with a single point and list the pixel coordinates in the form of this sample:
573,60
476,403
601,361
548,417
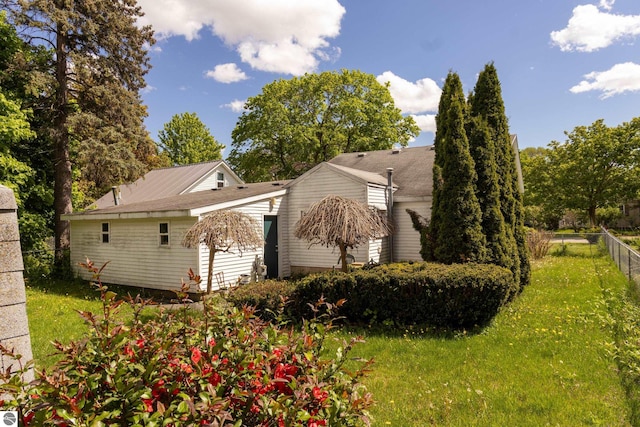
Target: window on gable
220,180
164,233
105,232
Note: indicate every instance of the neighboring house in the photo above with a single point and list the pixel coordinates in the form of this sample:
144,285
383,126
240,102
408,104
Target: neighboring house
141,235
165,182
630,215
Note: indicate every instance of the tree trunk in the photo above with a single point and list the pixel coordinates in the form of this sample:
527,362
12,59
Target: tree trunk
62,160
343,257
212,254
592,216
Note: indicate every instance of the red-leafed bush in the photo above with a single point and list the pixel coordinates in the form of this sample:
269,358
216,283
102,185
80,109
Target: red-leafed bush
221,366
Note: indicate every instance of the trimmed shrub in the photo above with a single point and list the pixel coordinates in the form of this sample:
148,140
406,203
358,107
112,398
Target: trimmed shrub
268,297
458,295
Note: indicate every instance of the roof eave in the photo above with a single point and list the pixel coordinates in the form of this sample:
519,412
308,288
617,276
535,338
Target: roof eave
108,216
235,203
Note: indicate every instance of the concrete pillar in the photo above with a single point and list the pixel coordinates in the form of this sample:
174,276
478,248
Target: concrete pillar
14,328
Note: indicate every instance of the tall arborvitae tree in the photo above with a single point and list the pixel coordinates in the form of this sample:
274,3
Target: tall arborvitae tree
456,218
100,59
428,234
487,104
482,149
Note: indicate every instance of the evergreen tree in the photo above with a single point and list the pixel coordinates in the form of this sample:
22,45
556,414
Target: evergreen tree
99,62
482,149
456,218
486,103
428,234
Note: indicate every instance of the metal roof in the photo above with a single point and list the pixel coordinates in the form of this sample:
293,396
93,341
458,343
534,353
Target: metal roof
188,201
159,183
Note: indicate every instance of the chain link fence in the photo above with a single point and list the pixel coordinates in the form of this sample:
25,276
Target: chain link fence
627,259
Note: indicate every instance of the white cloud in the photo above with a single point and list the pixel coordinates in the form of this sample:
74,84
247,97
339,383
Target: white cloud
227,73
607,4
426,122
237,106
284,36
409,97
589,29
148,89
619,79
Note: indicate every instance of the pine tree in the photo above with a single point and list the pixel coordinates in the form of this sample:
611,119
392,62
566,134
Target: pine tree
100,59
486,103
455,226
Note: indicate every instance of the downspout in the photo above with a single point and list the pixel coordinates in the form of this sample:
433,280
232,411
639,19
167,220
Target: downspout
390,211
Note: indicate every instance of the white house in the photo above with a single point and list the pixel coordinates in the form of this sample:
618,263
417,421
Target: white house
139,227
142,241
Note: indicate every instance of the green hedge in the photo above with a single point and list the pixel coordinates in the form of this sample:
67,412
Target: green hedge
459,295
265,296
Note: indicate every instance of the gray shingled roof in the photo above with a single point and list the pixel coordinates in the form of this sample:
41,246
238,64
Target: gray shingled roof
159,183
188,201
369,177
412,168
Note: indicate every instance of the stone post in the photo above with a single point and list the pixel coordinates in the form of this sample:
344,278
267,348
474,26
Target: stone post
14,328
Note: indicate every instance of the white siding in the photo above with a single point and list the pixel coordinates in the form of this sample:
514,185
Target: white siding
212,180
377,196
377,250
134,253
234,264
406,240
310,190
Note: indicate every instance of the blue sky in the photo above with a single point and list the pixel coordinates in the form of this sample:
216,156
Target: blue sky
561,63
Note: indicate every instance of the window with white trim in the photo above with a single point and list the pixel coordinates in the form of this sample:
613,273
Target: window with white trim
163,229
105,232
220,179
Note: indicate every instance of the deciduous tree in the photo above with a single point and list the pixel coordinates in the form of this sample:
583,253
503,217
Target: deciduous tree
222,231
542,210
295,124
341,223
25,157
185,140
597,166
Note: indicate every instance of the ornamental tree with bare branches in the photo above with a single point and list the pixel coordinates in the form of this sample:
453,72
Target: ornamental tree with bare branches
344,223
221,231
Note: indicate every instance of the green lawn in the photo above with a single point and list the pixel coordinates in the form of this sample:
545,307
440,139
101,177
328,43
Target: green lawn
52,312
543,361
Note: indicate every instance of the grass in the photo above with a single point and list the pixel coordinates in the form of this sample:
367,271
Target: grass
542,361
52,309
